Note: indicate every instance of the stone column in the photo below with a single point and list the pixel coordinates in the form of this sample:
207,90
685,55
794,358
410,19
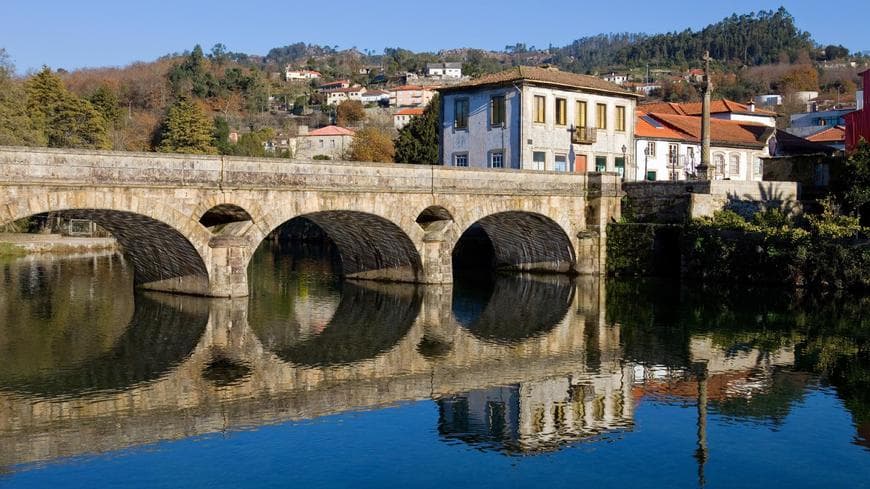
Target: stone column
437,254
228,268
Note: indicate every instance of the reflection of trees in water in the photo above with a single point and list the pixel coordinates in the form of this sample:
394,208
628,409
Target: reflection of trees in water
56,313
369,320
159,336
511,307
830,333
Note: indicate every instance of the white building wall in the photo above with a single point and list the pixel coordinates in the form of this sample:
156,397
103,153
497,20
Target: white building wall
755,119
659,162
555,139
480,139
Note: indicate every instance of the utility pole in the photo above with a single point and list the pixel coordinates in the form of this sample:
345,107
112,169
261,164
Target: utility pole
704,168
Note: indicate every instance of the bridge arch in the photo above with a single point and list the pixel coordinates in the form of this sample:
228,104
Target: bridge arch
370,247
168,250
517,240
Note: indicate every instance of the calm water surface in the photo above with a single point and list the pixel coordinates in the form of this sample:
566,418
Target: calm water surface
493,382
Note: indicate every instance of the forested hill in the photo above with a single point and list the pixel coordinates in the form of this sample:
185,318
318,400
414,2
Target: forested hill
749,39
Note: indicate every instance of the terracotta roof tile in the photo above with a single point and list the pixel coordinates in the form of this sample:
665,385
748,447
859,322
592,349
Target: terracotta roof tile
332,131
694,108
410,111
722,132
836,134
644,129
545,76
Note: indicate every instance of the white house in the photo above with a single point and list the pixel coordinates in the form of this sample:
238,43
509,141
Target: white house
374,96
293,75
444,70
616,78
331,141
538,118
669,147
339,95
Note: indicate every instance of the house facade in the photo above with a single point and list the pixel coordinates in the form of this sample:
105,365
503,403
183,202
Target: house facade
339,95
296,75
444,70
538,118
669,147
807,123
331,141
411,96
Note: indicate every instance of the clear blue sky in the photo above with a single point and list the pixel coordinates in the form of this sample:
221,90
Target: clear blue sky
87,33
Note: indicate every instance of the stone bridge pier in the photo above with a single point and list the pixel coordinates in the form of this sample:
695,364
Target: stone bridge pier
190,224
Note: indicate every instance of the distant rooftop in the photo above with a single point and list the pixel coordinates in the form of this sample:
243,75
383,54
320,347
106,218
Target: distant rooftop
694,108
543,75
332,131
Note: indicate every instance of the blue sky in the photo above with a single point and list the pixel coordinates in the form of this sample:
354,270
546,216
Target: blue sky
86,33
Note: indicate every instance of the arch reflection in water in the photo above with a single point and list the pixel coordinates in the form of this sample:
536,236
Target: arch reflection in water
302,312
75,326
510,308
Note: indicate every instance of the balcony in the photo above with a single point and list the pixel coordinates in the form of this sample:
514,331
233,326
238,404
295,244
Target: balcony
584,135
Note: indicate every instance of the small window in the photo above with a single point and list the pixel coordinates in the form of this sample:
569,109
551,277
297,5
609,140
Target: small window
651,149
561,163
757,168
460,159
719,165
561,112
673,155
602,116
619,163
496,110
539,158
460,113
734,166
496,159
651,175
540,108
581,118
620,118
600,163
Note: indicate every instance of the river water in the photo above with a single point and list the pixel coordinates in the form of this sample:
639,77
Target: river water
493,382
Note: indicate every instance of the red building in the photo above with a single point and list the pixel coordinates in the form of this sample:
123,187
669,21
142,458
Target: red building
858,122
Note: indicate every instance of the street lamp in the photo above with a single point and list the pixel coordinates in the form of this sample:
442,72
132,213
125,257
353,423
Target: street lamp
624,163
646,163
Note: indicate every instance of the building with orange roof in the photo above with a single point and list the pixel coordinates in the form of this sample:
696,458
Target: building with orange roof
719,109
834,137
538,118
404,116
331,141
669,147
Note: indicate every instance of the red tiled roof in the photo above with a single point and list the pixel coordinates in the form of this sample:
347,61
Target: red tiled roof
643,129
694,108
405,88
722,132
836,134
410,111
332,131
545,76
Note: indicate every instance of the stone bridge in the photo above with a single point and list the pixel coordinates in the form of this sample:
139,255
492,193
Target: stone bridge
190,224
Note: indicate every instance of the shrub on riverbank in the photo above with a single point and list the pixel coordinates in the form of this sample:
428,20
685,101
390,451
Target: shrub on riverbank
828,250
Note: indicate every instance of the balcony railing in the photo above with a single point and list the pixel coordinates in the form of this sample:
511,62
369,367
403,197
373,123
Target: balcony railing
584,135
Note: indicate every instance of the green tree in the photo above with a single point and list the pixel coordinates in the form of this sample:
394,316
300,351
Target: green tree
106,102
418,141
16,126
349,112
221,136
372,144
65,120
187,129
857,193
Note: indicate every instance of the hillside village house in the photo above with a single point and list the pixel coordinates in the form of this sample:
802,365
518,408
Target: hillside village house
339,95
295,75
375,96
404,116
617,78
411,96
331,141
669,147
444,70
538,118
334,85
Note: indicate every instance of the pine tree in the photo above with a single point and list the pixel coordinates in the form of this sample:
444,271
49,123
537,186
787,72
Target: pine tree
187,129
418,141
16,126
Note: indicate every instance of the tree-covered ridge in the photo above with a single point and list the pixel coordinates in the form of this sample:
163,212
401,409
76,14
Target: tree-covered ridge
750,39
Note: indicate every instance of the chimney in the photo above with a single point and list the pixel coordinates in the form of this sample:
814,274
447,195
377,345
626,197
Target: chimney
751,106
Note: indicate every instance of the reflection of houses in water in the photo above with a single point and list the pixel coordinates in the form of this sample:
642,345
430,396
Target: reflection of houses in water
540,415
313,312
